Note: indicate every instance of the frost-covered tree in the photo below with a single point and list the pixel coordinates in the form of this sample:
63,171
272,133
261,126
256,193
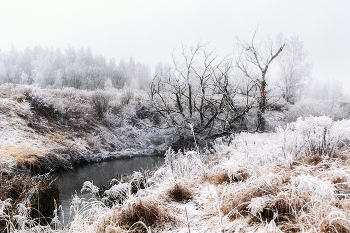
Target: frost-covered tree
80,69
253,60
2,72
42,71
198,91
293,68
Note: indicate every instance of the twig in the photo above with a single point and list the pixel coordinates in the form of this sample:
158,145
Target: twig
188,223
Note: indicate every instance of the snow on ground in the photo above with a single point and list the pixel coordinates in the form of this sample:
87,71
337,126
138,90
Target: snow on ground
294,178
18,140
36,123
256,183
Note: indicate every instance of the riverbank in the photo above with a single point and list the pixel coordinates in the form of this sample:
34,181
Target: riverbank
43,130
294,180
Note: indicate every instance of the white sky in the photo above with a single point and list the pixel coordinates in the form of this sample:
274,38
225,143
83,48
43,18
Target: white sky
148,30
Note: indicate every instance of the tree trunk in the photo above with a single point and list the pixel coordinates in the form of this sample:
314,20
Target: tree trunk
190,99
262,107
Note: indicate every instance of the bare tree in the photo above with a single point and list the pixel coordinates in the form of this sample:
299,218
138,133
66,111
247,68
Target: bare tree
199,92
254,60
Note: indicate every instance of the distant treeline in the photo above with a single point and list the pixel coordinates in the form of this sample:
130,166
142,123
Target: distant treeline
80,69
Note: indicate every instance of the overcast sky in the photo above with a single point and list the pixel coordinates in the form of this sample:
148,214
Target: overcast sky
148,30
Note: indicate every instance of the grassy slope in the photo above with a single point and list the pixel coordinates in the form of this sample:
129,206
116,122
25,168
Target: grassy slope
25,141
45,130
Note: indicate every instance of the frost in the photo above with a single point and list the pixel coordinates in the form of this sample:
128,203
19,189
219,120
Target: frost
313,188
119,190
258,204
4,205
90,187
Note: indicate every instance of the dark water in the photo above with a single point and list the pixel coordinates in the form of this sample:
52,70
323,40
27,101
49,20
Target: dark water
71,182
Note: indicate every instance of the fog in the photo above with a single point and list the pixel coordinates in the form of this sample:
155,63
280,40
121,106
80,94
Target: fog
149,30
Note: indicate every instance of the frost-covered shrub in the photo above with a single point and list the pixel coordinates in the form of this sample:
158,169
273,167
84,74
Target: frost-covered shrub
100,101
312,189
317,108
316,135
253,148
117,194
138,181
306,137
90,187
42,107
186,164
127,96
89,215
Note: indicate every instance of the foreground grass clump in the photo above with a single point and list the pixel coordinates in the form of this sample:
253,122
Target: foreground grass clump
26,200
236,202
147,211
180,193
226,177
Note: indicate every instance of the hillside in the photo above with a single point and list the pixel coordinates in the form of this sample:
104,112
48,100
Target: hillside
43,130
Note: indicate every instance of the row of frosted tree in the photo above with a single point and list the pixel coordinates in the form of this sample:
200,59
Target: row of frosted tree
200,88
211,92
81,69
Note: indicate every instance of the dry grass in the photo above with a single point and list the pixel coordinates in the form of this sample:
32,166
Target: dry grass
241,175
217,178
20,152
340,156
38,194
235,203
286,206
147,211
280,204
180,193
16,187
344,205
335,222
312,159
223,177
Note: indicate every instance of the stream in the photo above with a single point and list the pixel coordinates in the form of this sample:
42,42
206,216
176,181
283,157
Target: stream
71,182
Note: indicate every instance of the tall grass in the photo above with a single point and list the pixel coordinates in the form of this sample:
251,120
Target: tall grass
252,182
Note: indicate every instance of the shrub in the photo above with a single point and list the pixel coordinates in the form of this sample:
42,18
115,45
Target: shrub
41,106
127,96
100,101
